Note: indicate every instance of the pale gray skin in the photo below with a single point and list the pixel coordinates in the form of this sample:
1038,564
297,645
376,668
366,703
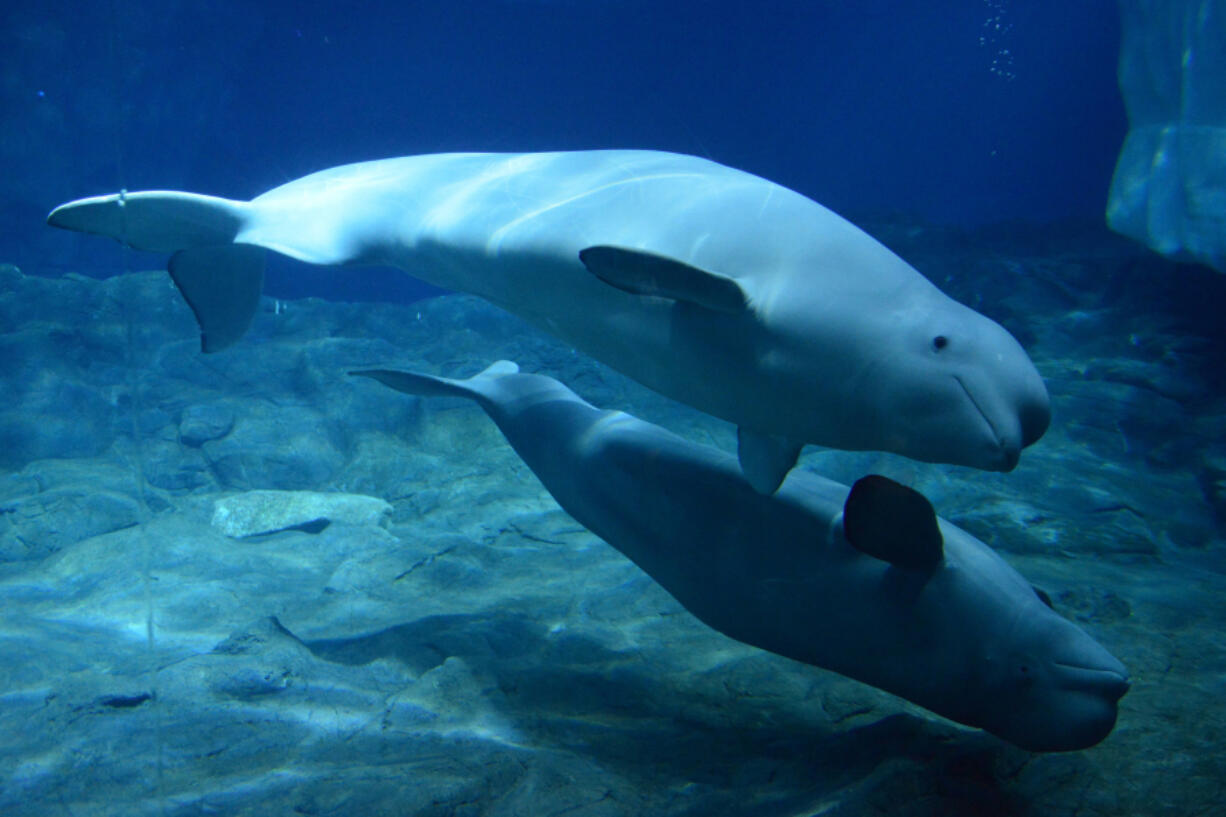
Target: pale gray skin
968,637
786,319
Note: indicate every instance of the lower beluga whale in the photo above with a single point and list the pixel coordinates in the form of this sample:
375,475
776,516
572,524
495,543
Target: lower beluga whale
712,286
868,583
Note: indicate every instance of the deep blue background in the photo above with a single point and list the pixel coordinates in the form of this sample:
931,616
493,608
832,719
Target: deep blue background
871,107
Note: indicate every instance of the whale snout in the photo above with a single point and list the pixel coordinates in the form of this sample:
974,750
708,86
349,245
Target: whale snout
1013,416
1087,706
1073,694
1009,456
1034,412
1031,417
1108,683
1080,664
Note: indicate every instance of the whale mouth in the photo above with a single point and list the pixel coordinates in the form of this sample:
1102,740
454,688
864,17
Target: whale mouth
1008,454
1106,683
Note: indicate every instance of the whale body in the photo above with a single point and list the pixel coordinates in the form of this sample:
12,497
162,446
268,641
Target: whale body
710,285
867,583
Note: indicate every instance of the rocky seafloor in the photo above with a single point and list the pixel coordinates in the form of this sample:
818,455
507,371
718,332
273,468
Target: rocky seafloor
468,649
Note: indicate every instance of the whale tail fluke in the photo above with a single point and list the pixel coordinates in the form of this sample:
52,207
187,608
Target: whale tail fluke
155,220
220,280
427,385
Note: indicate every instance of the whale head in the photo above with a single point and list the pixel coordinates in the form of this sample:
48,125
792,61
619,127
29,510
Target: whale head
940,382
976,651
1029,675
893,364
1049,687
962,633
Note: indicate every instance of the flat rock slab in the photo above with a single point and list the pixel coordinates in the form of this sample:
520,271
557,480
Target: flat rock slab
256,512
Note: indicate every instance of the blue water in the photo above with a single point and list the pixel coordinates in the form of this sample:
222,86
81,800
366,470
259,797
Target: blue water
953,112
479,653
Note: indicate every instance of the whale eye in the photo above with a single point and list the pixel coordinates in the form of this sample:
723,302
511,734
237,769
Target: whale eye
940,342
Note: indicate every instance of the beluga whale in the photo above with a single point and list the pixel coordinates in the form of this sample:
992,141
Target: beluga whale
867,581
710,285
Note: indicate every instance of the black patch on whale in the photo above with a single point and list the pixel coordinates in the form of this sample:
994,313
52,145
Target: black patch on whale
894,523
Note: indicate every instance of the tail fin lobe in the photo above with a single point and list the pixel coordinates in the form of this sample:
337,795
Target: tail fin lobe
155,220
222,286
426,385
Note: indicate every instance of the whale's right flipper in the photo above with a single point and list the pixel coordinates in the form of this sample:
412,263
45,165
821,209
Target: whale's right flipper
765,459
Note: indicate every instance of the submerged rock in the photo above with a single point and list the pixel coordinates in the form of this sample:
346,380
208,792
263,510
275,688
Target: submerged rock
276,447
205,422
39,525
52,504
257,512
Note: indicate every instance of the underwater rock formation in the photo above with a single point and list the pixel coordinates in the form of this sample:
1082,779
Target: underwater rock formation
1169,190
482,653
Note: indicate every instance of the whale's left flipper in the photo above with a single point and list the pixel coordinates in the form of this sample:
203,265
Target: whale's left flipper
645,273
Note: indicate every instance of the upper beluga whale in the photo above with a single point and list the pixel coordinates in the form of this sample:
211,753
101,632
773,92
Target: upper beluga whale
713,286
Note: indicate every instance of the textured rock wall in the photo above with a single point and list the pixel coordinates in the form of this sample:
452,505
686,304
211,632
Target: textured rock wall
477,652
1169,189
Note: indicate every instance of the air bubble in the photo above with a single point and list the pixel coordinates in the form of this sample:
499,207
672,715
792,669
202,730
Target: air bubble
995,29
